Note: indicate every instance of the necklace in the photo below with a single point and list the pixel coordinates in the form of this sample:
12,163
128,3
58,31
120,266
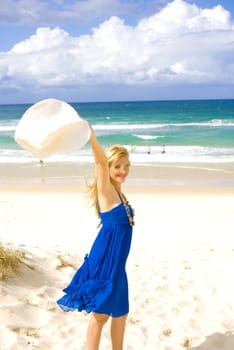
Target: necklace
128,208
129,212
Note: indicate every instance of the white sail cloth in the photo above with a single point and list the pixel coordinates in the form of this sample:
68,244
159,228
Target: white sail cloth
51,127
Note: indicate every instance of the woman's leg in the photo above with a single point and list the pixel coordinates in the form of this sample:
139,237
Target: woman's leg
117,332
94,331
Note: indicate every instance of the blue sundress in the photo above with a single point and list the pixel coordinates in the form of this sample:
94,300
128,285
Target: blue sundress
100,284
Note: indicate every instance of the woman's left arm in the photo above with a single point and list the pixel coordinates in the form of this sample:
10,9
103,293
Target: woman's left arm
101,160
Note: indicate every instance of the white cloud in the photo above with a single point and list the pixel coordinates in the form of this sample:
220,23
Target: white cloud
60,11
44,39
195,47
180,16
21,11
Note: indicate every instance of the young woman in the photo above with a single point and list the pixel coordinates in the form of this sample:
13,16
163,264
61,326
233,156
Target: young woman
100,285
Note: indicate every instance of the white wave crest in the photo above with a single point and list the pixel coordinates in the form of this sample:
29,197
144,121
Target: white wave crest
147,137
7,128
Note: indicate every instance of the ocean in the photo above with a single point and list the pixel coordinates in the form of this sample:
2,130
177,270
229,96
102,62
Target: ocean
191,131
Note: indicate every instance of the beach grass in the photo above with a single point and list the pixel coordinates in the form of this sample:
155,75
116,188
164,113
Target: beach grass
10,261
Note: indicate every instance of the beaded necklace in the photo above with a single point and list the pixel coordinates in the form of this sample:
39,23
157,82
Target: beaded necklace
128,208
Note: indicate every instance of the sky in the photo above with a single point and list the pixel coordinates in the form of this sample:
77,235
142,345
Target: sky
116,50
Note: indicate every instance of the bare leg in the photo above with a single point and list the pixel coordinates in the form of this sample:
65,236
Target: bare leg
117,332
94,331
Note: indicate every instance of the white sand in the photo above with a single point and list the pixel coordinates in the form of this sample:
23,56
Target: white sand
180,267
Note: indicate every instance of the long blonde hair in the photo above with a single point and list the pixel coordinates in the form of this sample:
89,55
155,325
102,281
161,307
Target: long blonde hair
113,154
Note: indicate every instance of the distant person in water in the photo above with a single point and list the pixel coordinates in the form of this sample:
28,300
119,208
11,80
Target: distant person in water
133,148
148,149
163,149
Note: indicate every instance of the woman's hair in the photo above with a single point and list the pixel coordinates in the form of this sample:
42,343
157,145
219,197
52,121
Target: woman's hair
113,153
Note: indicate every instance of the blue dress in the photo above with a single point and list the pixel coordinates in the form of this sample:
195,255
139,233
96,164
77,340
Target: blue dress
101,284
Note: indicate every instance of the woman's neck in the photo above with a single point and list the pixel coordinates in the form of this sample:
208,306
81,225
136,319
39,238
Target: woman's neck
117,186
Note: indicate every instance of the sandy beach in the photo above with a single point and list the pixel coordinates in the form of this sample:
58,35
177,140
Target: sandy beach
180,266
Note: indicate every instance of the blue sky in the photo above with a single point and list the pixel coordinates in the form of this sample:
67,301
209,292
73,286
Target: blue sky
105,50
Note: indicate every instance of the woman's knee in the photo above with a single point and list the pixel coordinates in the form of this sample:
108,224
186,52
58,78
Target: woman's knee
119,321
101,319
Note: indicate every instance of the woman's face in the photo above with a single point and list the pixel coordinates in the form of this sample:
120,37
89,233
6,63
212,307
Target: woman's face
119,169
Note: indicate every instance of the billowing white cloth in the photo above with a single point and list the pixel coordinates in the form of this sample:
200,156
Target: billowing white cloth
51,127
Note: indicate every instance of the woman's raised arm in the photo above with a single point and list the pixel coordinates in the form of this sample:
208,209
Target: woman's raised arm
101,160
98,152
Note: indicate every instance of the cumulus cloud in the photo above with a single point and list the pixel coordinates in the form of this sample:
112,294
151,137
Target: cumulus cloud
194,46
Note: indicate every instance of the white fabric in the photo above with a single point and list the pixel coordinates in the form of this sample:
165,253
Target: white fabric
51,127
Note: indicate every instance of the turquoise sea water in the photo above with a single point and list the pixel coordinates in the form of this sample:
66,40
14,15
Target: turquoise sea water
191,131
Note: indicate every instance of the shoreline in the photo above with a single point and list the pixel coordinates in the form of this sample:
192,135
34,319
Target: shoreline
160,174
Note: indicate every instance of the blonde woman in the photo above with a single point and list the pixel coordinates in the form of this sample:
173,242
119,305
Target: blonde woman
100,285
